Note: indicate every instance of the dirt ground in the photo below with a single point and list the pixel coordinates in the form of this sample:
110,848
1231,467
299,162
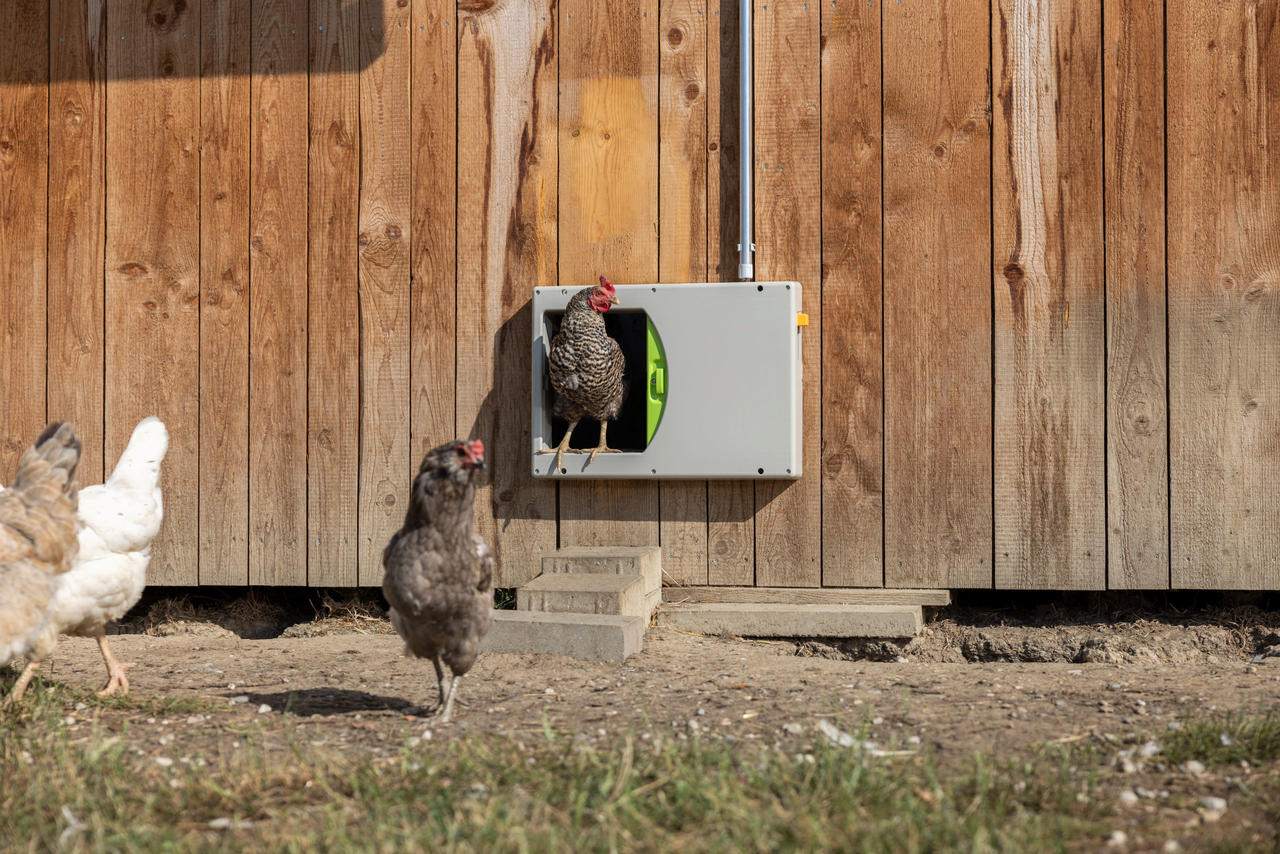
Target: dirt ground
972,682
961,686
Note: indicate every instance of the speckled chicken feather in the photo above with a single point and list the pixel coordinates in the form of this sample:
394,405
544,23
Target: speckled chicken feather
587,367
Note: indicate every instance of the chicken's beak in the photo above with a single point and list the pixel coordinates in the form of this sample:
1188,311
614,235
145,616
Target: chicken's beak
613,300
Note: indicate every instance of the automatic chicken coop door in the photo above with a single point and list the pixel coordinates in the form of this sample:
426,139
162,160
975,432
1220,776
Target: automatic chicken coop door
714,377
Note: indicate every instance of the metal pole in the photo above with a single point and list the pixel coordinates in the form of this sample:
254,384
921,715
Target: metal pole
746,148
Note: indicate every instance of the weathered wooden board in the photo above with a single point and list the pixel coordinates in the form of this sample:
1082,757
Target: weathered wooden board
731,529
386,470
608,204
225,129
77,195
507,246
333,372
1224,293
682,240
852,287
788,238
433,250
278,294
153,254
937,295
1137,406
1050,525
24,188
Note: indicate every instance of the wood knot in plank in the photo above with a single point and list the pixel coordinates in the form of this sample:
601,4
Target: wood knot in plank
691,92
389,500
1013,272
675,36
257,242
393,232
133,268
475,5
363,239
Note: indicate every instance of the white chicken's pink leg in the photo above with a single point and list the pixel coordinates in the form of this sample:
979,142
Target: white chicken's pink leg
563,446
448,702
116,680
603,447
20,687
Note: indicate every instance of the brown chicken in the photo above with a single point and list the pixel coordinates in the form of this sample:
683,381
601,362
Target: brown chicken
38,541
439,578
587,368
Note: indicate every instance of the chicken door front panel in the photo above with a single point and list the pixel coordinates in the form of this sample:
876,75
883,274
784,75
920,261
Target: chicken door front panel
713,377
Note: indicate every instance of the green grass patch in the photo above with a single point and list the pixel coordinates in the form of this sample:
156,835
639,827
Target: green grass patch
256,784
1249,736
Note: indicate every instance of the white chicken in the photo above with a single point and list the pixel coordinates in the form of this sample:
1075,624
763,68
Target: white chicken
120,519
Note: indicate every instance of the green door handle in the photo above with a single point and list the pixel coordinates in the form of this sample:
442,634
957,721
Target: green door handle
656,376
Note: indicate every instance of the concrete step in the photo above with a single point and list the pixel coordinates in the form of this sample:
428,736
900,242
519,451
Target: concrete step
599,637
644,561
592,593
795,621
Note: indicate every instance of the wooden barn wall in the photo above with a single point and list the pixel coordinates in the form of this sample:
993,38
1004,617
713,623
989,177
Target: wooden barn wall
1039,242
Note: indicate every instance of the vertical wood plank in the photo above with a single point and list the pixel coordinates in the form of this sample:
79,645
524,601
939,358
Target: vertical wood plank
852,355
608,209
433,251
278,295
507,246
788,238
1224,293
682,241
385,467
224,293
24,187
1050,526
152,251
731,529
937,295
1137,412
77,69
333,380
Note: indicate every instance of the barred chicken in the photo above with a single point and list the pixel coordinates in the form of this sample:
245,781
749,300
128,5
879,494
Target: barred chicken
439,572
587,368
38,528
119,520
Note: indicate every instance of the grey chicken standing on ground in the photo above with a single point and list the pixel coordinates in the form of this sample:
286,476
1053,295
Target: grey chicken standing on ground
439,578
587,368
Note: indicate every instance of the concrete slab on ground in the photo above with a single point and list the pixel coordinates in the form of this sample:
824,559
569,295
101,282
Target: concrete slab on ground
597,637
809,595
794,621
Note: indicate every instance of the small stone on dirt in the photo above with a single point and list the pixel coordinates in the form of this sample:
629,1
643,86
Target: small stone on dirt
1193,767
1117,839
793,729
1128,798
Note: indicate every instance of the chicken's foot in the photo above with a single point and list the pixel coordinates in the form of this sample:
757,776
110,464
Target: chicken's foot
116,680
603,447
20,687
448,703
563,446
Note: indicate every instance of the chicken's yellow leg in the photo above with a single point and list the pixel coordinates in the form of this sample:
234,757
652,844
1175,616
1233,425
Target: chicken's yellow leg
563,446
603,447
20,687
116,680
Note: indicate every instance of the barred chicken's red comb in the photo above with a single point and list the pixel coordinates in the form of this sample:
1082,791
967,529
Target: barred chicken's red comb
606,285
